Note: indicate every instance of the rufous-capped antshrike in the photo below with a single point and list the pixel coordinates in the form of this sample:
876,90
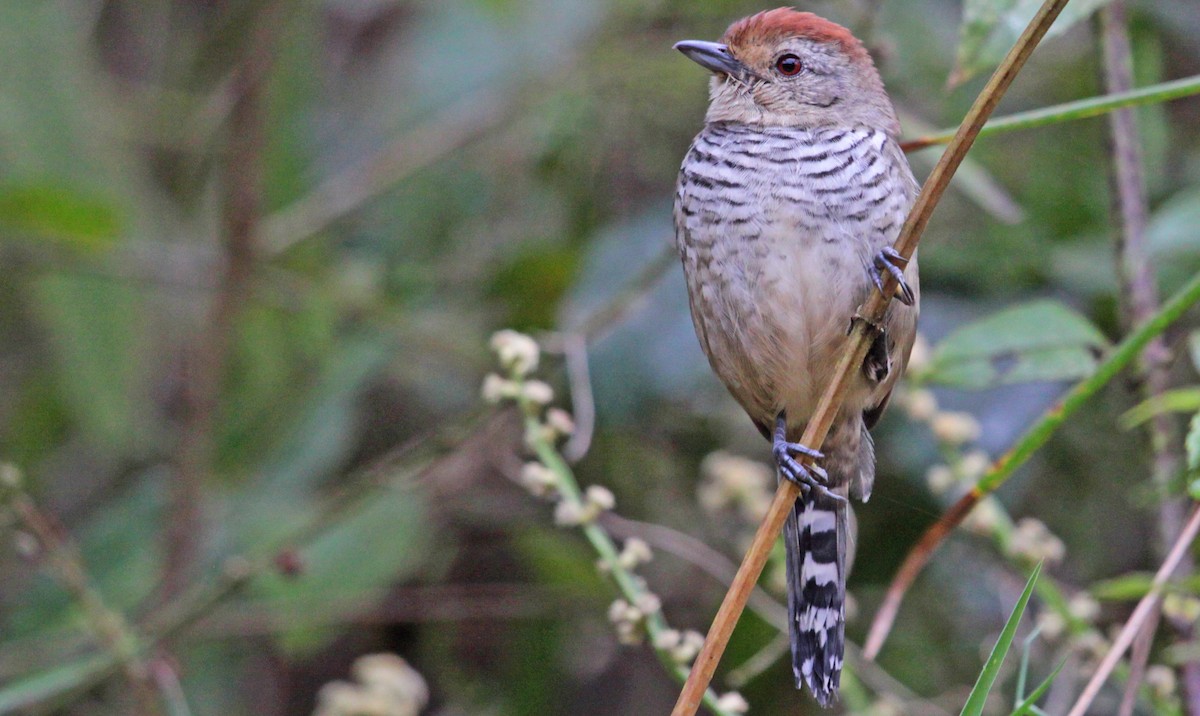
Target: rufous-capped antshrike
786,209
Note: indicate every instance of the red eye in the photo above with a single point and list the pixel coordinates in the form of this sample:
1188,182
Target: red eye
788,65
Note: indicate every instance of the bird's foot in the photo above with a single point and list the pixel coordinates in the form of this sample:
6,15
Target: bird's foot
891,261
806,477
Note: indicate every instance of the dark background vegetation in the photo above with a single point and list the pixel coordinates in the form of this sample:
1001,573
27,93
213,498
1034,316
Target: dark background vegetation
252,249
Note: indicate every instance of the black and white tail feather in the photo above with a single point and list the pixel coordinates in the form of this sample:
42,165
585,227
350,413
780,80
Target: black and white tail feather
817,538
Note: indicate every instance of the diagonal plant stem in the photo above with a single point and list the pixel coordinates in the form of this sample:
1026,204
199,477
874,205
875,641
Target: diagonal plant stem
1141,613
206,360
1139,302
1070,111
458,125
630,585
62,556
866,328
1033,439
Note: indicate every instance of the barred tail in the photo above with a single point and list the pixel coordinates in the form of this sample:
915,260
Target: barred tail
815,536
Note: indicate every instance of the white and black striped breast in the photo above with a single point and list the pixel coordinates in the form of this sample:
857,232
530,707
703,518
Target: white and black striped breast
776,228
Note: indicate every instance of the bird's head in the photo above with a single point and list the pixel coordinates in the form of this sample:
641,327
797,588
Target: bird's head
792,69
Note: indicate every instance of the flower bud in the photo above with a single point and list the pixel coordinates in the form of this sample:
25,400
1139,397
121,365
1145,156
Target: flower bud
921,404
733,702
518,353
955,428
538,479
496,389
537,392
600,496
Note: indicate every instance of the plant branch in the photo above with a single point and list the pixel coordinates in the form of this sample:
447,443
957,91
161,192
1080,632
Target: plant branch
204,366
450,129
1070,111
1029,443
1139,302
864,330
1144,610
630,586
64,560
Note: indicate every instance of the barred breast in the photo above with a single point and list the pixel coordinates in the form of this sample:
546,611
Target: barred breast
776,228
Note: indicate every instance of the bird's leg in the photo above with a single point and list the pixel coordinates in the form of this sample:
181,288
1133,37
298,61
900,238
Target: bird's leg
806,477
891,261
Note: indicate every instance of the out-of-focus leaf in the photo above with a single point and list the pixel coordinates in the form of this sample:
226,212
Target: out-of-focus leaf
1039,341
1174,238
385,541
1194,349
983,685
1192,445
991,27
1180,400
119,547
269,373
1173,227
94,325
56,213
1136,585
35,688
208,668
560,562
972,178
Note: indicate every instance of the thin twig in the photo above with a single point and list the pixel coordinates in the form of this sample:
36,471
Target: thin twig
1141,613
450,129
866,328
167,680
1029,443
402,466
62,556
583,402
1139,301
699,554
1070,111
1139,657
407,605
597,324
204,367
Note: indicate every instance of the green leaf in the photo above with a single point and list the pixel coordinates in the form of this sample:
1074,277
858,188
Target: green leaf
57,213
1123,588
1028,705
1135,585
983,685
1192,446
1039,341
95,329
1179,400
384,541
991,27
38,687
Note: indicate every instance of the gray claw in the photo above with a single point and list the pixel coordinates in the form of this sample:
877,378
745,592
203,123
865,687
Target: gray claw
891,261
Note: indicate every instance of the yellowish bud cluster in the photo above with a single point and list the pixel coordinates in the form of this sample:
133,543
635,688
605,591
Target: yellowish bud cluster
635,553
385,685
518,353
682,647
628,619
729,480
733,703
1032,541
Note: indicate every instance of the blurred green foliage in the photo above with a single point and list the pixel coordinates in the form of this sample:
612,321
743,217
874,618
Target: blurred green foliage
535,210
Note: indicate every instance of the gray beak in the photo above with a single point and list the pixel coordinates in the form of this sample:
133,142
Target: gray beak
712,56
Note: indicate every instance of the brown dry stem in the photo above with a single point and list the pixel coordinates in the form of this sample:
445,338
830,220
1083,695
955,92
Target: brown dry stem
1144,610
865,326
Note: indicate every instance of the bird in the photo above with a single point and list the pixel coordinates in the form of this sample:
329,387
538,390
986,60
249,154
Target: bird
786,208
